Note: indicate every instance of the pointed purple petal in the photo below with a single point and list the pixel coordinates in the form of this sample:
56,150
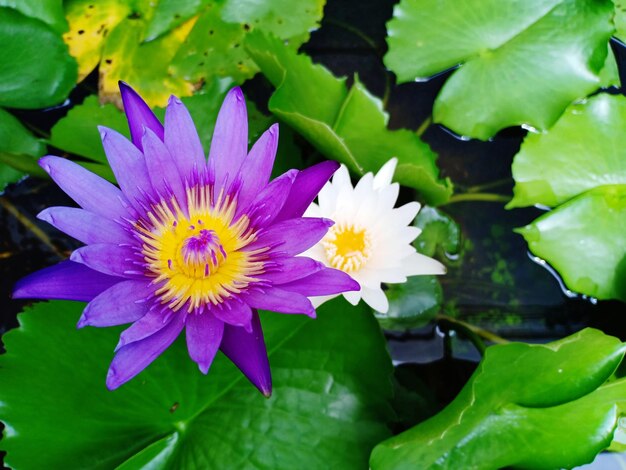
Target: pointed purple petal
308,183
229,144
125,302
139,115
128,165
135,357
325,282
291,269
234,313
257,167
64,281
204,334
91,192
279,300
292,236
268,203
152,322
247,351
181,138
85,226
108,259
162,169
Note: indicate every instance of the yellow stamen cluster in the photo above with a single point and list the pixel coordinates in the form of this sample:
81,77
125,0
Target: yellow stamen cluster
199,257
347,247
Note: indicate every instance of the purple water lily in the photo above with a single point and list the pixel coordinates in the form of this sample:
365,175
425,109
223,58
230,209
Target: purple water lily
185,242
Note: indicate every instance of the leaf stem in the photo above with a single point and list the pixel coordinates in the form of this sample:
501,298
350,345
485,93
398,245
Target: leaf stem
25,221
356,31
472,331
492,184
424,126
484,197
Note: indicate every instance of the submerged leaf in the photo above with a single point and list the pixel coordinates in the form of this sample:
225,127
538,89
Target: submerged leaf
330,402
585,241
346,125
440,234
527,405
523,62
35,68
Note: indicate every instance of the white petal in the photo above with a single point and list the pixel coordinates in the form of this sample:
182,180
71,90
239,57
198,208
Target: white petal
417,263
405,214
317,301
376,299
385,174
342,178
353,297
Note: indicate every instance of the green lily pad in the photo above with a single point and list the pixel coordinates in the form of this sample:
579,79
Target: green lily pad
48,11
523,62
36,69
169,14
215,45
527,405
412,304
584,241
18,149
329,407
346,125
440,234
584,149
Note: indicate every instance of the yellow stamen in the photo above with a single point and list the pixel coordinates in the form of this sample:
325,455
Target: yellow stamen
199,258
347,247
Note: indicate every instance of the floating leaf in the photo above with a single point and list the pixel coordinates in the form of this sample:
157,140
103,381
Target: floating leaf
48,11
527,405
16,144
329,407
585,241
169,14
346,125
523,62
89,23
143,66
584,149
440,234
35,68
214,47
412,304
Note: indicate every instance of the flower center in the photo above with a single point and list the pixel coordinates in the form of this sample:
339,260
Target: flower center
347,247
198,257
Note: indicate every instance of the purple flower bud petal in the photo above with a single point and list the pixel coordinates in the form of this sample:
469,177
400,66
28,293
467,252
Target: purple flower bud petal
85,226
204,335
139,115
181,139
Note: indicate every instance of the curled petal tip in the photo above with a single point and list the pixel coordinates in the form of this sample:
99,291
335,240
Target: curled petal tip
77,257
354,286
103,132
237,93
174,100
328,222
273,130
46,216
83,321
44,162
267,393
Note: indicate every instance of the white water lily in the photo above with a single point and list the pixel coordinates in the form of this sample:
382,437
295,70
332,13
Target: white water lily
371,240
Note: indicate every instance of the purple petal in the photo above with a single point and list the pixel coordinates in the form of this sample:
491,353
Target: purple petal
268,203
151,323
181,138
64,281
291,269
85,226
247,351
108,259
135,357
204,335
128,165
229,144
308,183
234,313
257,167
139,115
91,192
279,300
162,169
292,236
325,282
125,302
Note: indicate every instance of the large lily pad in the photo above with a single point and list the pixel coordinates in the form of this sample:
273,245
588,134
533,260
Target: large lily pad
584,149
346,125
527,405
585,241
523,62
330,404
215,45
48,11
36,69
